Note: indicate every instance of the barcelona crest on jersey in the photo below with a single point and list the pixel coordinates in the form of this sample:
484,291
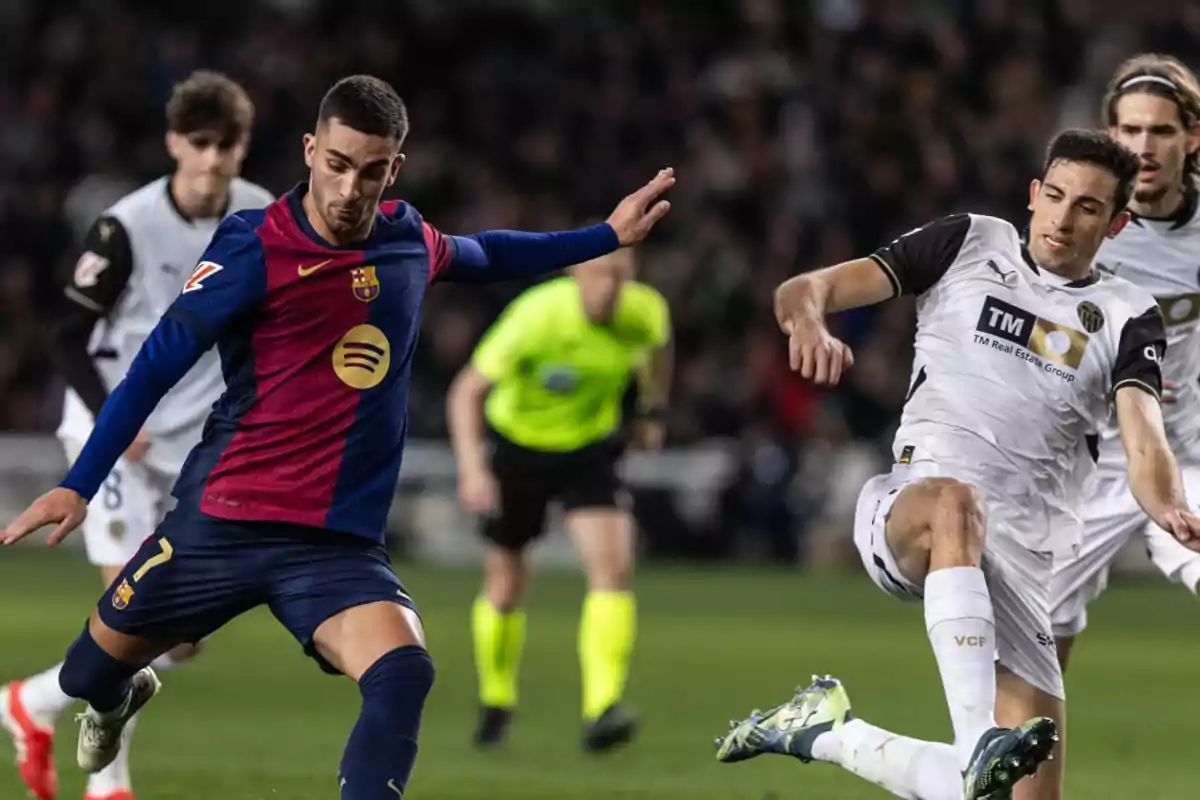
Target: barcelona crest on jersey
122,595
365,284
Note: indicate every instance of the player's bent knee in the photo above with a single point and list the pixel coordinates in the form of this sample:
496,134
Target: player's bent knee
125,647
400,676
506,575
958,521
89,670
355,639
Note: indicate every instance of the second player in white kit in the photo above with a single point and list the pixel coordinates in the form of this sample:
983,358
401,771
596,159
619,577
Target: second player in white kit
1022,348
136,262
137,258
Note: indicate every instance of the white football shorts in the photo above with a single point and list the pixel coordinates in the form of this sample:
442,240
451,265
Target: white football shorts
1110,517
1018,580
126,510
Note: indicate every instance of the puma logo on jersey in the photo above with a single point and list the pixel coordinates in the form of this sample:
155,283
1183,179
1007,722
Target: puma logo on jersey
1004,276
204,270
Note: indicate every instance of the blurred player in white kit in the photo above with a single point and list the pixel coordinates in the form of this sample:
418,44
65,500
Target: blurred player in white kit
137,258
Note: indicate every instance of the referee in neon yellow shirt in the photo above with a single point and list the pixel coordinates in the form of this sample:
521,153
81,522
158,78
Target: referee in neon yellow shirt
544,387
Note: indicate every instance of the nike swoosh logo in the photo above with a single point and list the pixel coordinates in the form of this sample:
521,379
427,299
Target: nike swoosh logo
304,272
391,784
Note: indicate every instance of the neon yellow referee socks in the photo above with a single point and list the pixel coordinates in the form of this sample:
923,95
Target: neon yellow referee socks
499,639
606,636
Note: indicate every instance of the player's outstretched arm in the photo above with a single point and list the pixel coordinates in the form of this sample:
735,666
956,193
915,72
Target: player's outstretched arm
502,255
802,302
1153,473
912,264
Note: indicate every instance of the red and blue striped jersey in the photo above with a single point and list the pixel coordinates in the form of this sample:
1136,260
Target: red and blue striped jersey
316,344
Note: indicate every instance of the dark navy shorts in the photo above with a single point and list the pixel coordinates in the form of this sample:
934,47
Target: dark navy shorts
198,572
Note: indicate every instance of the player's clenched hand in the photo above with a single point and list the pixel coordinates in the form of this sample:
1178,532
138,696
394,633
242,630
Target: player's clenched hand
477,490
1169,389
61,507
816,353
1184,526
634,216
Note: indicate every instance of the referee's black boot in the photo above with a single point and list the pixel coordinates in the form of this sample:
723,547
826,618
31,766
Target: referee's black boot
616,726
493,726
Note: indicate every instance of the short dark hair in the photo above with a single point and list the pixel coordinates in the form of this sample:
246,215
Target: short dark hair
1100,149
1166,77
210,101
367,104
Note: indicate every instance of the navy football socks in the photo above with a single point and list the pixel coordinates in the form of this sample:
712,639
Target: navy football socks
88,673
383,745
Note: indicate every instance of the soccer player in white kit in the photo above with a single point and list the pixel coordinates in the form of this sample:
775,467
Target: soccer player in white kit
1152,106
137,259
1021,349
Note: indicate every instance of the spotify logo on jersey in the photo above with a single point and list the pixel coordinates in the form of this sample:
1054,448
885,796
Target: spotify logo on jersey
362,357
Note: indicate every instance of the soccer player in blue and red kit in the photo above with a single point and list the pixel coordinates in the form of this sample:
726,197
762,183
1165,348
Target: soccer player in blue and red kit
314,305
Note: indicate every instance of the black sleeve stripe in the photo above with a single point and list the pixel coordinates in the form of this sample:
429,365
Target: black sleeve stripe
920,258
1136,384
891,273
100,275
1140,351
70,333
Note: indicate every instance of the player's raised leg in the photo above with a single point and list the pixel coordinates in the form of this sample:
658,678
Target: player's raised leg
817,725
935,532
607,625
381,647
916,535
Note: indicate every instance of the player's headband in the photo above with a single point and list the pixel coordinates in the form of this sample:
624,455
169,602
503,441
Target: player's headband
1135,80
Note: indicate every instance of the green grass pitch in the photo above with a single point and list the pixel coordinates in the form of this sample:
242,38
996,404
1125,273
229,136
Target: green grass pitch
254,720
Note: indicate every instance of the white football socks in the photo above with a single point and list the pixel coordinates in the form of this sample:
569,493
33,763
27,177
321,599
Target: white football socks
908,768
962,631
43,698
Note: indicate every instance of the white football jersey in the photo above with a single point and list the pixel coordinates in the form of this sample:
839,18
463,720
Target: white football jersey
1163,257
136,260
1014,367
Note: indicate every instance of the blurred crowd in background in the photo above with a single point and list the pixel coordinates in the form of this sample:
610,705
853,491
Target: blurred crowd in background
803,133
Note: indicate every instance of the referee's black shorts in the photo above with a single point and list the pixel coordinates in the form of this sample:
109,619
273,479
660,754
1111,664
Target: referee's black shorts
528,480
